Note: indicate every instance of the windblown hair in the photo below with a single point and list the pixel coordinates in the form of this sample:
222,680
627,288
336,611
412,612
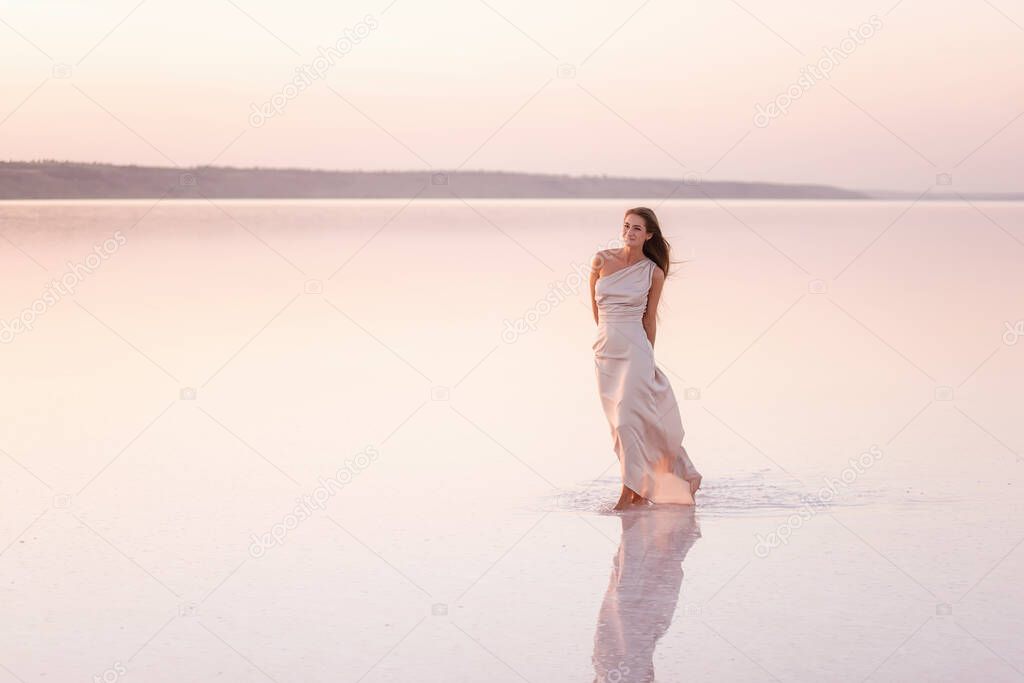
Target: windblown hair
657,248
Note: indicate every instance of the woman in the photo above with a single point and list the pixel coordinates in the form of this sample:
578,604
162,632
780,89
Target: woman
647,432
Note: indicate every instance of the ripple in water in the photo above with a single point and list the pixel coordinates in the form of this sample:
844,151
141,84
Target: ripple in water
757,492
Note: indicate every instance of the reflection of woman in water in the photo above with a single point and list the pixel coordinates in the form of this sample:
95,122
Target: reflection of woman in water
647,575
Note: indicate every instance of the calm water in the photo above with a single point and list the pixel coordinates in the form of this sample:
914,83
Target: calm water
341,441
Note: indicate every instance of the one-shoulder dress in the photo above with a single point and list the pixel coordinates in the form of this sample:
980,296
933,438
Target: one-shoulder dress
642,411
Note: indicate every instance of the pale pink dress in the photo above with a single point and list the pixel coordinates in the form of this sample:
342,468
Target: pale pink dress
642,411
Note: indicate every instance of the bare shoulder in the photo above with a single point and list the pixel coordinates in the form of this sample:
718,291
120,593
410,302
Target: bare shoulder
659,274
599,259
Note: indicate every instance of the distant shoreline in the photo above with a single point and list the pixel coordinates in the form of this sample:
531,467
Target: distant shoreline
72,180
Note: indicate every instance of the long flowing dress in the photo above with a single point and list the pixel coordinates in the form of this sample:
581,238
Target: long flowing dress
642,411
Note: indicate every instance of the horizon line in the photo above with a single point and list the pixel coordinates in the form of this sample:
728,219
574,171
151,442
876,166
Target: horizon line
691,179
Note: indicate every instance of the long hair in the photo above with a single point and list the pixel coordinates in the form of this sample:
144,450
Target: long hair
657,248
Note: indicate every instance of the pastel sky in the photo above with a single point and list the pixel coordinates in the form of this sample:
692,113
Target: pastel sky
654,89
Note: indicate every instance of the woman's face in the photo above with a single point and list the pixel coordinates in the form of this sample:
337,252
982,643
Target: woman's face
634,231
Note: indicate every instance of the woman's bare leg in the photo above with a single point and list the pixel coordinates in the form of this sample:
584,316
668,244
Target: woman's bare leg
629,497
625,499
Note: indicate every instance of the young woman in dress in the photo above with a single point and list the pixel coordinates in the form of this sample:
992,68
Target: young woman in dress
637,398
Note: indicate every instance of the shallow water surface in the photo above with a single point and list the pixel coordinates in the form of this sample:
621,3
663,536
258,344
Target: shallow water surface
331,440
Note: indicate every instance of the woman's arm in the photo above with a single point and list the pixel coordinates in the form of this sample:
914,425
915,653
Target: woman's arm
651,314
595,273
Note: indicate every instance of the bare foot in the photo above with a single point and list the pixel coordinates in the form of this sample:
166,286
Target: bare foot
629,498
639,500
